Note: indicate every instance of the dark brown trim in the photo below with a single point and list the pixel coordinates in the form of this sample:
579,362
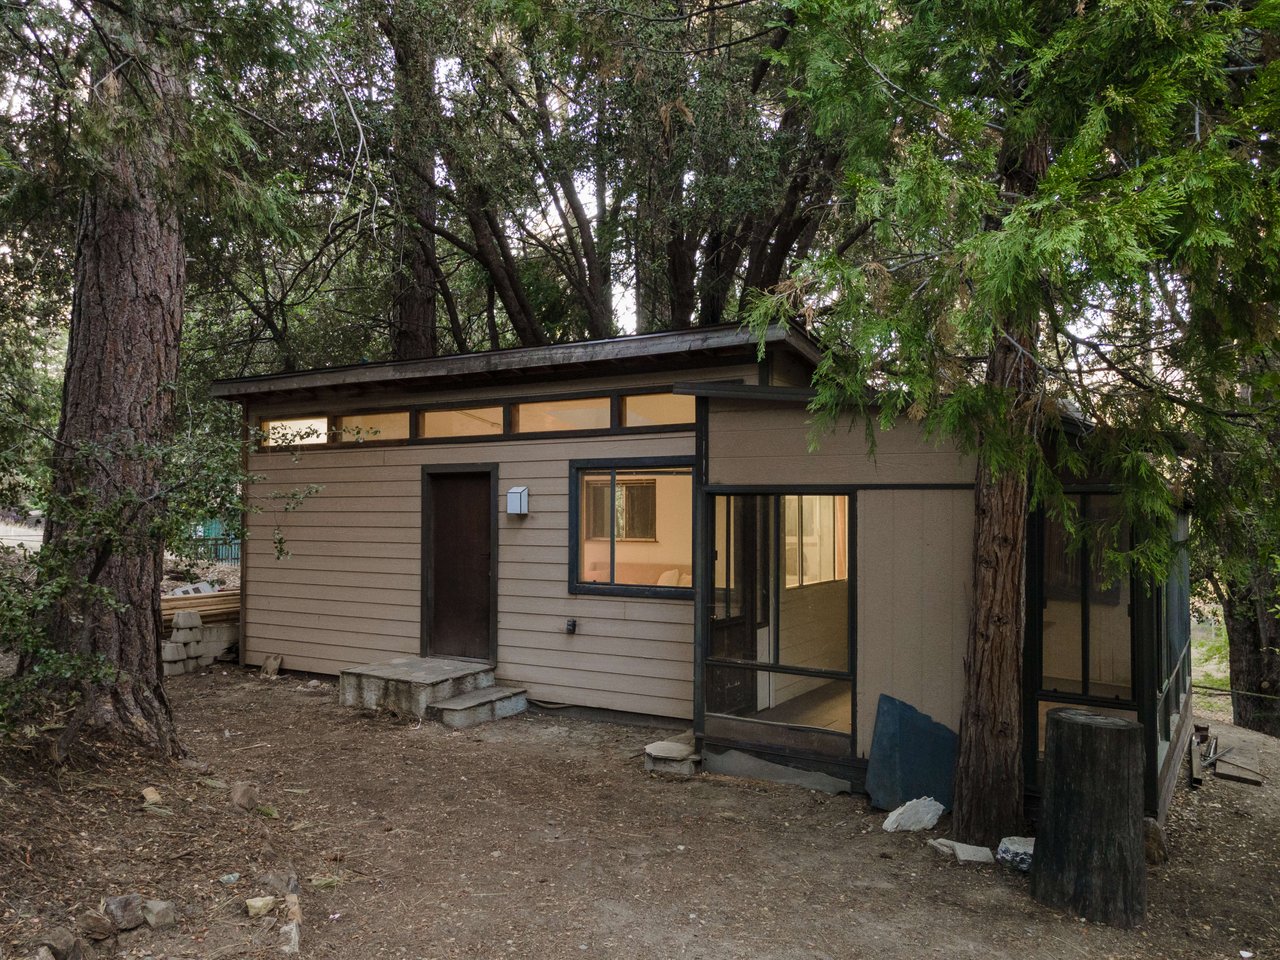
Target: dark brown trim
428,560
1173,759
667,351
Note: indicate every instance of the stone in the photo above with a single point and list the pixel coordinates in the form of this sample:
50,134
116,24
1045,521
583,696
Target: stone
271,664
229,879
95,925
150,795
125,911
62,944
669,750
968,853
260,906
186,620
244,795
44,953
292,908
160,914
173,652
283,884
199,766
291,939
1016,852
1155,844
963,852
919,814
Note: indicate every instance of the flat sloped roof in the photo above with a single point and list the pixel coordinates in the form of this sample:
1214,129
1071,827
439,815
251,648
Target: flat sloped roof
674,350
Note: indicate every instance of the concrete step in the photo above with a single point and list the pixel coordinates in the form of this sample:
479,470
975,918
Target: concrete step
410,686
480,706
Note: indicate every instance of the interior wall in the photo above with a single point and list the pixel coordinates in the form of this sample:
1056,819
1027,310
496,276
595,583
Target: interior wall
814,632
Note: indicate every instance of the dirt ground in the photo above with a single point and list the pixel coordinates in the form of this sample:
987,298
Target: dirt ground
542,836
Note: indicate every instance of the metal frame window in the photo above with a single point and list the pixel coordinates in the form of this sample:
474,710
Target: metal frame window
617,527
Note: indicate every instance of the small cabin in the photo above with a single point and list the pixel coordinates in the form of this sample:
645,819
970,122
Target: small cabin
649,526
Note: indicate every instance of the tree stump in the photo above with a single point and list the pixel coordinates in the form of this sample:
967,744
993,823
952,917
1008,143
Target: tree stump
1089,854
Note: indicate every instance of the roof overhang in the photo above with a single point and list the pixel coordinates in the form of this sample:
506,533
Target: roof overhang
673,350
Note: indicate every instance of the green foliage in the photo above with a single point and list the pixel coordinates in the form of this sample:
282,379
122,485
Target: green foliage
1098,178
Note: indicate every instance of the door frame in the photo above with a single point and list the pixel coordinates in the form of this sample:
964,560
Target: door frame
427,602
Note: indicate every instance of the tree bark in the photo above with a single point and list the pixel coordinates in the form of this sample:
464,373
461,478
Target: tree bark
1253,642
989,774
117,403
1090,855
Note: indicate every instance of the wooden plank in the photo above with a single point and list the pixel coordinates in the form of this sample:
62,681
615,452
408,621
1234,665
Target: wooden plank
679,706
638,630
350,596
329,648
345,579
301,624
640,669
260,546
374,611
1229,768
680,651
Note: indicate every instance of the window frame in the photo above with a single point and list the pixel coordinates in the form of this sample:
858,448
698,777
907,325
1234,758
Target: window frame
613,464
508,404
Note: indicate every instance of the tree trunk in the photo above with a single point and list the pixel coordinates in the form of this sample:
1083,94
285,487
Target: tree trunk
1090,855
1253,641
989,775
117,404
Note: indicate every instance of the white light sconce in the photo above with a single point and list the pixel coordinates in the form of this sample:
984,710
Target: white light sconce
518,502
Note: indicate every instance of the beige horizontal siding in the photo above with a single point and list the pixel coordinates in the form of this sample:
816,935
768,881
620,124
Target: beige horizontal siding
754,443
914,599
349,590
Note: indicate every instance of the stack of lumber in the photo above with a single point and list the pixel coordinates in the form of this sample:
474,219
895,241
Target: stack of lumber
221,607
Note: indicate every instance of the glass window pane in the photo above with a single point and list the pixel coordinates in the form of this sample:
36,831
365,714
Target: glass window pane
360,427
1110,644
544,416
813,628
656,409
1062,645
636,527
595,531
791,543
781,698
467,422
294,432
657,508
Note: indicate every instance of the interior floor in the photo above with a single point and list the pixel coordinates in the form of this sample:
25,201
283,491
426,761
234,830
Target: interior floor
828,707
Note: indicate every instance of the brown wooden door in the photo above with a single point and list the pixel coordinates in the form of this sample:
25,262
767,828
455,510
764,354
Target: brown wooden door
459,596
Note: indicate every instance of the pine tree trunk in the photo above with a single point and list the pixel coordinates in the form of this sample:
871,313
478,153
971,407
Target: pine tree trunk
117,407
1253,642
989,776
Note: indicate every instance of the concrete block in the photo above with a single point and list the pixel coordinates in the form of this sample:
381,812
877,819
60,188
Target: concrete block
174,669
205,661
173,652
186,620
211,648
678,768
185,635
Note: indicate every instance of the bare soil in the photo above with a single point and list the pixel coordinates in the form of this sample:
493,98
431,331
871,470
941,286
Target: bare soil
543,837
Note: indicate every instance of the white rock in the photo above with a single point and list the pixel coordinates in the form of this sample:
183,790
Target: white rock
919,814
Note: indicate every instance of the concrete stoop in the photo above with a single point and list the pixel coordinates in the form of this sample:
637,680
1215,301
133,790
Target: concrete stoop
457,693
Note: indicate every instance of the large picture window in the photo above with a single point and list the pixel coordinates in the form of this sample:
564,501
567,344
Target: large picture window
634,530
